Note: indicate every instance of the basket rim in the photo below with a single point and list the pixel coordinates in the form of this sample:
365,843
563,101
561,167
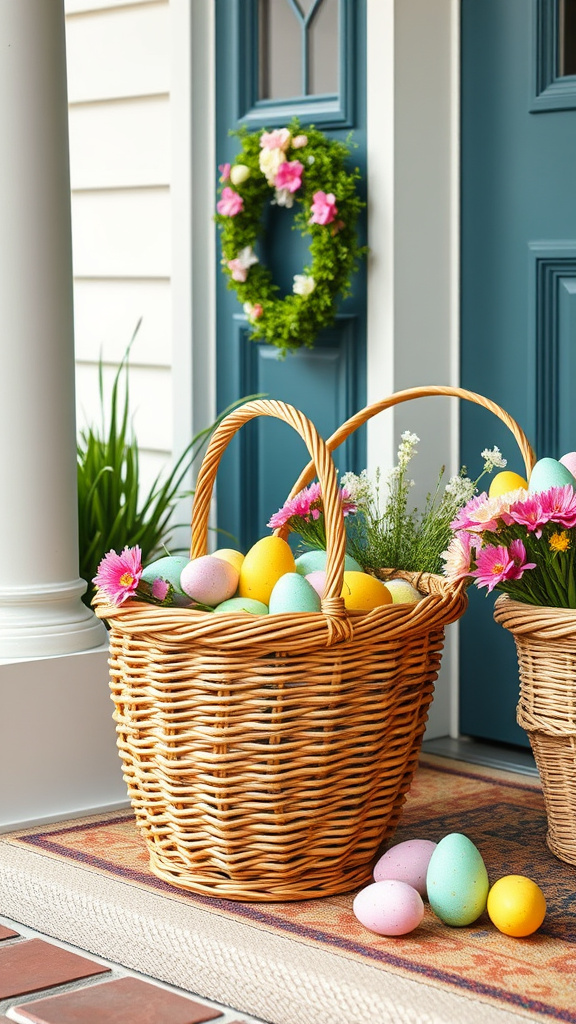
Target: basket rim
543,622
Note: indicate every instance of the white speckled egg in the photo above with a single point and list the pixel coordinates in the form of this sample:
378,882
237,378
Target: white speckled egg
293,593
311,561
389,907
457,880
406,862
549,473
209,580
403,592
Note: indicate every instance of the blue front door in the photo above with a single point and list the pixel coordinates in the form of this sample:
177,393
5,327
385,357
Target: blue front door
518,279
276,59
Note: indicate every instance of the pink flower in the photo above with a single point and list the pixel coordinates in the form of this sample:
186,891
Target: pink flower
528,512
160,589
323,208
479,514
493,566
458,557
224,171
239,271
559,505
299,141
307,505
119,575
518,555
289,175
230,204
278,139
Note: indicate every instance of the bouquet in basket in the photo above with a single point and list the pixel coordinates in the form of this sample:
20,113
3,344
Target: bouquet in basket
522,541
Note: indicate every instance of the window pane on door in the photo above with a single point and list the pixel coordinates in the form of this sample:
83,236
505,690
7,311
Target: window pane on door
323,49
566,38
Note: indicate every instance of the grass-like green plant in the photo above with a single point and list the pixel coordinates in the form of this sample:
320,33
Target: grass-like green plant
112,512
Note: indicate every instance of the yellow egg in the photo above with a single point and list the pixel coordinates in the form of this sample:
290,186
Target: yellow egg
266,561
230,555
516,905
362,592
506,481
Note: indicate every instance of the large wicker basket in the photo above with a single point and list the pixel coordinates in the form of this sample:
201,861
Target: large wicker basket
546,645
268,757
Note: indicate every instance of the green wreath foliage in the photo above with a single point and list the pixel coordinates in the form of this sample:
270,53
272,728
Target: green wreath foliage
295,320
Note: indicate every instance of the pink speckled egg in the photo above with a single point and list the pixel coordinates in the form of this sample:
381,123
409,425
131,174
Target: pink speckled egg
389,907
318,580
209,580
569,460
406,862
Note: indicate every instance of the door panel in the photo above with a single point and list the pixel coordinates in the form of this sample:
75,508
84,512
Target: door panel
255,70
518,283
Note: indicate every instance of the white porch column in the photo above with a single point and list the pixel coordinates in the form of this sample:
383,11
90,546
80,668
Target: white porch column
41,612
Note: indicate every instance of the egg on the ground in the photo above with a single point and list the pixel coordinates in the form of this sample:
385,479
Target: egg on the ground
457,880
516,905
406,862
389,907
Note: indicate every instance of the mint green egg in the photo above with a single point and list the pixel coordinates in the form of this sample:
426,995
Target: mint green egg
312,561
457,881
293,593
167,568
549,473
242,604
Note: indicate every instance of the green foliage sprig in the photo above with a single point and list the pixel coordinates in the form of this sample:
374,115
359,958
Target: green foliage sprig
112,511
246,188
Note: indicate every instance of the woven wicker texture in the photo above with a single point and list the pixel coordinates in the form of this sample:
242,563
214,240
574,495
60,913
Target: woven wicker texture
546,645
268,757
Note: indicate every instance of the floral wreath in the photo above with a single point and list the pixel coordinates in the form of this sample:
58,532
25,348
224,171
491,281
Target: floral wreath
288,166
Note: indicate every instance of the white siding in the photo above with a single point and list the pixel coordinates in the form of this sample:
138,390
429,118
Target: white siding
118,60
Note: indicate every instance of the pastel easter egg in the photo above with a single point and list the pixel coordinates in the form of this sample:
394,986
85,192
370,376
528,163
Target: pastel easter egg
516,905
389,907
311,561
506,481
266,561
362,592
209,580
457,880
293,593
168,569
569,461
230,555
403,592
242,604
406,862
318,580
549,473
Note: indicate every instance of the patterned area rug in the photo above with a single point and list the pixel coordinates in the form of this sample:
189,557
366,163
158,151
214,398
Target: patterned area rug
502,813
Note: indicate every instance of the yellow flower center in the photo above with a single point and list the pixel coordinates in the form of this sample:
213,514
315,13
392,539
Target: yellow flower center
559,541
126,579
497,568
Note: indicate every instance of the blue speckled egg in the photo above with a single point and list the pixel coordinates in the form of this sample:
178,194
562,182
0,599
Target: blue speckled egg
313,561
293,593
549,473
457,880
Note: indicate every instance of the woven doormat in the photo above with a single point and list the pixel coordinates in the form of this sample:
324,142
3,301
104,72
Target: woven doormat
87,882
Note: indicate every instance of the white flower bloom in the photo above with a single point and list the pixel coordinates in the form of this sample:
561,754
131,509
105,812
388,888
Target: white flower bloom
284,198
359,488
270,160
407,448
493,459
303,284
460,489
247,257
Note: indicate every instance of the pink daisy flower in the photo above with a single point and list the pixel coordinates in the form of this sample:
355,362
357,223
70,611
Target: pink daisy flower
493,566
559,505
458,556
118,576
517,553
307,505
289,175
277,139
528,512
480,513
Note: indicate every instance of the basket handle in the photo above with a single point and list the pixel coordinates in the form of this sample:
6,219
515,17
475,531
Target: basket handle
397,398
322,466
